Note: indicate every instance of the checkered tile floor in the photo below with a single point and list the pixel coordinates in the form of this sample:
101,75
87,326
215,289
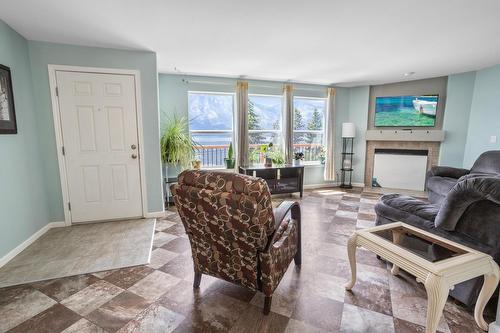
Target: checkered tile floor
160,298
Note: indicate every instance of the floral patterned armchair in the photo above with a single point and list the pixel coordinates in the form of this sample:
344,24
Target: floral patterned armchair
234,233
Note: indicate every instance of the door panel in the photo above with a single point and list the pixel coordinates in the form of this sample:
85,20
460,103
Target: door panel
99,126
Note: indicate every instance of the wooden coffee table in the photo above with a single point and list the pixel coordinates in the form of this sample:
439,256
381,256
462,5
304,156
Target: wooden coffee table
438,263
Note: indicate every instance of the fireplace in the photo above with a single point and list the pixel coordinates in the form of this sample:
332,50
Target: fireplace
400,168
423,154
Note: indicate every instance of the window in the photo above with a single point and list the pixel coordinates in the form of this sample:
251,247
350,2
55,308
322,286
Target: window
211,125
264,122
309,127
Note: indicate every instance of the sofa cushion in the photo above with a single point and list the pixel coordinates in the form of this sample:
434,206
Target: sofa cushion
407,209
440,185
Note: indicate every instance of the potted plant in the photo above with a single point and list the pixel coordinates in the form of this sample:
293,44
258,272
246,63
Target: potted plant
297,158
230,157
322,155
177,146
267,150
277,157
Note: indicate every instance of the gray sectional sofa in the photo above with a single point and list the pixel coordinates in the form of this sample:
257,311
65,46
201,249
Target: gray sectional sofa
463,206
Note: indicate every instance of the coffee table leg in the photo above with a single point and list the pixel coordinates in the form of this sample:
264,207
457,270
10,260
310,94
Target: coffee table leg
351,252
437,293
396,239
489,285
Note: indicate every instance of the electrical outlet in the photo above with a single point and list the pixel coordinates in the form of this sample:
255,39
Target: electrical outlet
493,139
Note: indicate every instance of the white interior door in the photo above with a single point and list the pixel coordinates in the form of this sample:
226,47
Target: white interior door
99,129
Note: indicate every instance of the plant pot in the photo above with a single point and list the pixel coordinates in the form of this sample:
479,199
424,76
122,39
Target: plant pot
229,163
196,164
296,162
269,162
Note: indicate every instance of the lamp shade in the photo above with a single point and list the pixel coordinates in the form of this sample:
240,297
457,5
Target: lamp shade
348,130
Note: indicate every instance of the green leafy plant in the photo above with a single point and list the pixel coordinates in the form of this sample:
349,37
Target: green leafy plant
277,157
230,157
230,152
177,146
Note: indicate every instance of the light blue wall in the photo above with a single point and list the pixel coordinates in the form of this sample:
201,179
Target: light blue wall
173,100
359,98
23,205
456,118
43,54
484,120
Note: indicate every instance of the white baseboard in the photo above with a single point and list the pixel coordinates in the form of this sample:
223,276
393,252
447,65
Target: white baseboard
155,214
18,249
333,184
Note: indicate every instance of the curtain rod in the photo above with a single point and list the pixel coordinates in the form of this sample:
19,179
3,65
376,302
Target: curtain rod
254,85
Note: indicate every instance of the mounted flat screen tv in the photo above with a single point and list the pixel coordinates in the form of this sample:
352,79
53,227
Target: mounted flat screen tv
406,111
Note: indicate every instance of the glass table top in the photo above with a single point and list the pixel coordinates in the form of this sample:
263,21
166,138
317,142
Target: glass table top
421,244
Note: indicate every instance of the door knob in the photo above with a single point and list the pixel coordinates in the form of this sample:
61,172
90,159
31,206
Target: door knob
134,156
133,146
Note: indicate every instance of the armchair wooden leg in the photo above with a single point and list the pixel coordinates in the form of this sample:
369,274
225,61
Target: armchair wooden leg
197,280
298,257
267,304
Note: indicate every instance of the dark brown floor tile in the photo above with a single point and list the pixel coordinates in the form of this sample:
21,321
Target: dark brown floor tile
351,206
371,297
127,277
319,311
54,319
11,294
459,320
369,258
232,290
403,326
215,313
350,198
181,267
120,310
178,245
253,320
366,217
60,289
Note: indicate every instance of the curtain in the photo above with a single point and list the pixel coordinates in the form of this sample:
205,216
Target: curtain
330,136
241,124
288,122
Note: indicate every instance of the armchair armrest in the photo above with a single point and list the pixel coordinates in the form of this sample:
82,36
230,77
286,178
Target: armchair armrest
444,171
279,215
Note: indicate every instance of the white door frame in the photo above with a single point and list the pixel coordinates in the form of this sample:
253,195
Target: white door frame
58,128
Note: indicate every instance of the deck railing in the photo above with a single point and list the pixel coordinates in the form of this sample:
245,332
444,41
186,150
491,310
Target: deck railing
213,156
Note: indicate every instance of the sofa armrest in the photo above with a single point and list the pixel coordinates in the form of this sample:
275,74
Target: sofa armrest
464,194
444,171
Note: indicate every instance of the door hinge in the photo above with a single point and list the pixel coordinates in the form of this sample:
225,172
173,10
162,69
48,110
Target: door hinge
69,205
63,150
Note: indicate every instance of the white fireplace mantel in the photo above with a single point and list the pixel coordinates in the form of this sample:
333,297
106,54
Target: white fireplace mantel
405,135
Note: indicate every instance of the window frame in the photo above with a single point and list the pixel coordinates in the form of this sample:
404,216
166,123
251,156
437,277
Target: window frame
233,125
323,131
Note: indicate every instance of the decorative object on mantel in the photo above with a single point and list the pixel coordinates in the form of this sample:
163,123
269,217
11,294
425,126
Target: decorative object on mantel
8,123
348,134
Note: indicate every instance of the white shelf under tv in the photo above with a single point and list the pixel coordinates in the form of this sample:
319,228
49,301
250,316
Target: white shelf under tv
405,135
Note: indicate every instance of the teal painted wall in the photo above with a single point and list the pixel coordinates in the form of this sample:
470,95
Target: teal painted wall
359,98
456,115
43,54
23,205
484,120
173,100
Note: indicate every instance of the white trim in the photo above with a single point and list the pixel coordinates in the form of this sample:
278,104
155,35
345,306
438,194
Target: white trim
154,215
18,249
58,128
333,184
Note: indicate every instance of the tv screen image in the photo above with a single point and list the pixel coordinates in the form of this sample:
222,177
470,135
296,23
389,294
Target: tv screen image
406,111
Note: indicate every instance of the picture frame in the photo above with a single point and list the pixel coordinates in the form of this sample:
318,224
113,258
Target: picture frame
8,124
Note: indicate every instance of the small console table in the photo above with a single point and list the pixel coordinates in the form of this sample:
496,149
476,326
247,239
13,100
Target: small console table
280,179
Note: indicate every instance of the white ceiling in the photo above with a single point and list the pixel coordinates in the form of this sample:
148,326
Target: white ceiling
323,41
